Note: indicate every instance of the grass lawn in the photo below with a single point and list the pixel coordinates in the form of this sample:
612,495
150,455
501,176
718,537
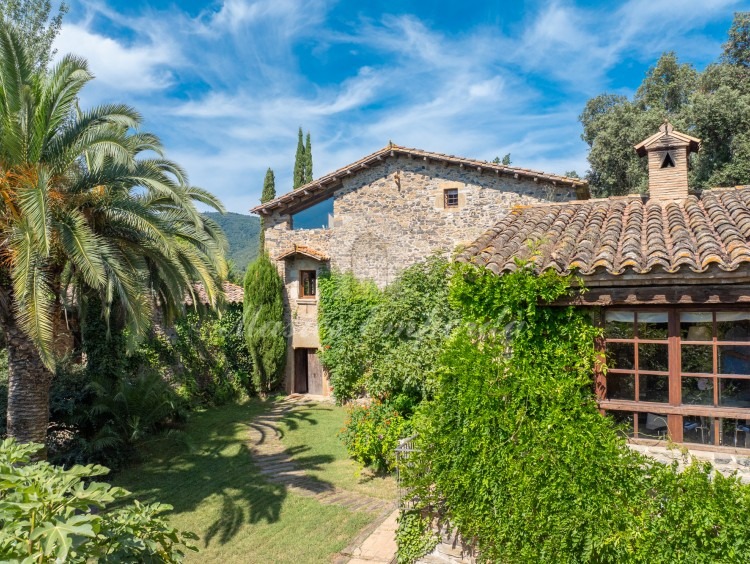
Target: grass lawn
312,431
217,492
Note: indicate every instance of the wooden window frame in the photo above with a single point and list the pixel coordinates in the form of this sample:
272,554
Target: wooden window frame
674,409
450,198
302,275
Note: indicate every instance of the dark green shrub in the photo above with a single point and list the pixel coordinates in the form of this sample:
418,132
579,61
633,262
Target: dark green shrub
48,514
515,455
371,433
405,334
208,356
265,328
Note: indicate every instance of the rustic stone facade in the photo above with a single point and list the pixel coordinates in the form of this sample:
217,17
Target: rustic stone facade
390,216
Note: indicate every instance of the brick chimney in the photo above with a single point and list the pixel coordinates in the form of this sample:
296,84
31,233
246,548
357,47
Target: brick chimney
668,152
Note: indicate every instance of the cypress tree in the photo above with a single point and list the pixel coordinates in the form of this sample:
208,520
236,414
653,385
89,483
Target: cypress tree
263,319
299,162
269,187
308,160
268,194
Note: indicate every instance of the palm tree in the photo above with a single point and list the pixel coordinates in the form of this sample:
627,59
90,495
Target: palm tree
88,204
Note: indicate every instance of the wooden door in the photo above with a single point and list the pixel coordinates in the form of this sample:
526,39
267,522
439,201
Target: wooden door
314,373
300,371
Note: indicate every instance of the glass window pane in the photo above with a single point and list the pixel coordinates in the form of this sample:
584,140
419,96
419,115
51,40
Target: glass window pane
653,388
624,421
735,432
734,392
697,429
697,358
652,356
696,326
621,386
653,325
619,325
652,425
621,355
734,359
697,391
733,326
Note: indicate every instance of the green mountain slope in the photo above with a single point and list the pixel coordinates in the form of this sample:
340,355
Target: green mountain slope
242,232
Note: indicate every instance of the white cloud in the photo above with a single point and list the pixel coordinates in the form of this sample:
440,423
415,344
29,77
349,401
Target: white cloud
479,92
137,68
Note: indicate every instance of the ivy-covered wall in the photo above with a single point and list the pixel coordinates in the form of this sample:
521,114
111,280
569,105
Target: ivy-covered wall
516,458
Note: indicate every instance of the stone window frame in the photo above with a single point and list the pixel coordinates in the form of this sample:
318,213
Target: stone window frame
450,198
312,276
677,415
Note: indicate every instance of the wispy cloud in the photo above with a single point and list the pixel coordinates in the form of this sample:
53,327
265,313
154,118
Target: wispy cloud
227,88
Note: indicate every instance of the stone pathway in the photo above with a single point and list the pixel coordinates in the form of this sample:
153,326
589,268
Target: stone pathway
278,467
376,545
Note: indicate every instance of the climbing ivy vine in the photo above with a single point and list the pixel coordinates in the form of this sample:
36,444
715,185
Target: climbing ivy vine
516,457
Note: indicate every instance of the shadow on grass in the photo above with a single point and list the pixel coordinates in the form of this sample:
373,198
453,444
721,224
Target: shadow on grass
215,474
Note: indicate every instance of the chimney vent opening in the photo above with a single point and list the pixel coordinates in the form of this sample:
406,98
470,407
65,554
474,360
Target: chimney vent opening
668,161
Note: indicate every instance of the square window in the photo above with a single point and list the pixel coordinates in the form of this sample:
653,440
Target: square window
450,198
620,386
308,282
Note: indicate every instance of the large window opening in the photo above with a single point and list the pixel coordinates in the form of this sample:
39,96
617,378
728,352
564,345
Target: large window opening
317,216
682,374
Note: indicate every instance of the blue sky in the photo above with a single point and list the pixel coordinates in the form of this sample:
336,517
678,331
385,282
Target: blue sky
226,84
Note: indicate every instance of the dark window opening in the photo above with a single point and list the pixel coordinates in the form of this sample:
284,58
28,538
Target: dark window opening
668,161
308,282
450,198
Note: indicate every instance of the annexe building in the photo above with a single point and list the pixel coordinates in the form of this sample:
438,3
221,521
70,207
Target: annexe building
667,277
379,215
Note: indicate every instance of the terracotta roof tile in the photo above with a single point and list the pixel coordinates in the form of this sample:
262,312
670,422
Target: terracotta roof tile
622,235
303,250
233,294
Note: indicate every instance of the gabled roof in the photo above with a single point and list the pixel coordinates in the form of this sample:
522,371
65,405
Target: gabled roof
624,235
324,185
667,137
304,251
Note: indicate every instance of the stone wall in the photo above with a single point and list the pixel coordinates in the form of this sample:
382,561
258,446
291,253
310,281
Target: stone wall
724,462
391,216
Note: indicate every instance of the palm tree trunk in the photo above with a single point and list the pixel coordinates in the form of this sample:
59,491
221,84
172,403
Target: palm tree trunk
28,388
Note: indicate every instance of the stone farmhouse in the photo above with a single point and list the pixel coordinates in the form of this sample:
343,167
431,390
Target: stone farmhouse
379,215
667,277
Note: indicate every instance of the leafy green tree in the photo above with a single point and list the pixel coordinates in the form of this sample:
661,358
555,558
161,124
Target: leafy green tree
308,159
737,47
265,328
268,194
37,28
300,162
49,514
713,105
85,209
